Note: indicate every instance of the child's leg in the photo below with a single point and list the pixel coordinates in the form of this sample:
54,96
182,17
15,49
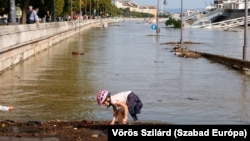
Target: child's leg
120,115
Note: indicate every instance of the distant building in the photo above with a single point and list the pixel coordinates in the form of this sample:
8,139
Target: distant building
134,7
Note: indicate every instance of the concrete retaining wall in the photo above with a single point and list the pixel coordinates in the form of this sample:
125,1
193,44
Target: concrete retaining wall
237,64
19,42
232,62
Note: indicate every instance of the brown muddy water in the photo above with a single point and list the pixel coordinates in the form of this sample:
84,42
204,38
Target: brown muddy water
58,85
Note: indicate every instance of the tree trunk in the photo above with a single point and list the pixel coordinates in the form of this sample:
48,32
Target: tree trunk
24,11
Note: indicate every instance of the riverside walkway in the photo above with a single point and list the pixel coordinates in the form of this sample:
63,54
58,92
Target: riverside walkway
19,42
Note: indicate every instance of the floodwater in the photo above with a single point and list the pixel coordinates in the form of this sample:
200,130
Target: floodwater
55,84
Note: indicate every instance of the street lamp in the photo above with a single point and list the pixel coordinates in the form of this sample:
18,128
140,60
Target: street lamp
246,70
157,15
54,10
165,2
245,31
98,8
90,8
12,15
80,13
71,13
181,22
85,6
157,18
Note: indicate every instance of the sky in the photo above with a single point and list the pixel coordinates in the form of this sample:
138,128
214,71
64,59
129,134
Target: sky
173,4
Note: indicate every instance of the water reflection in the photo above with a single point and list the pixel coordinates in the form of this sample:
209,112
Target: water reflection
51,85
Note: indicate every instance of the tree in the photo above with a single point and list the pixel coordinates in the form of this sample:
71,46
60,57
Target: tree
4,7
59,7
63,7
24,6
174,22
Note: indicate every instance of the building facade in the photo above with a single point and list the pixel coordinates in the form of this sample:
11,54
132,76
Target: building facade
134,7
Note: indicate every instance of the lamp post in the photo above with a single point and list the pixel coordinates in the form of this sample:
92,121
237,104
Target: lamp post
98,8
80,12
54,10
181,23
245,31
157,15
90,8
85,7
245,47
12,15
165,2
71,13
157,18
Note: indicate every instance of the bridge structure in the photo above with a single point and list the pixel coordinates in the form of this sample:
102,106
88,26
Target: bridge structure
196,19
225,24
199,20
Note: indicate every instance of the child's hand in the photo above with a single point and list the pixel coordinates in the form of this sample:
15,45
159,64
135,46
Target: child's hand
11,108
112,123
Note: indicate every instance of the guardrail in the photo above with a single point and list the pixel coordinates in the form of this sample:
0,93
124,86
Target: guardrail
225,24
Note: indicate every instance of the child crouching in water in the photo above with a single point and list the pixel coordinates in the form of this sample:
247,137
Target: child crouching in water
122,104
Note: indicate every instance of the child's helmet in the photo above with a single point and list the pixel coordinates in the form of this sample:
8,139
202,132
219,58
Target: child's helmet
101,96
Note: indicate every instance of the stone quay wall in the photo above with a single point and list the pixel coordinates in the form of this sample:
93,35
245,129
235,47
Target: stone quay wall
19,42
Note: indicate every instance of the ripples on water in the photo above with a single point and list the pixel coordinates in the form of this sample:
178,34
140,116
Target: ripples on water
58,85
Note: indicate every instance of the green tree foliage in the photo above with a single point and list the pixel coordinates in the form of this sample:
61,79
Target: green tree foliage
3,7
59,7
63,7
48,5
76,5
172,21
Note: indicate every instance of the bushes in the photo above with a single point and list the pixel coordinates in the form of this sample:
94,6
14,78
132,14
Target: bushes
172,21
